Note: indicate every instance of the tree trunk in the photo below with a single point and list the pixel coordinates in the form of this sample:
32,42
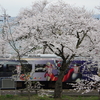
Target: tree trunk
58,86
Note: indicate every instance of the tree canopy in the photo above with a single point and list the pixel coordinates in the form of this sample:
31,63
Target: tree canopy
61,28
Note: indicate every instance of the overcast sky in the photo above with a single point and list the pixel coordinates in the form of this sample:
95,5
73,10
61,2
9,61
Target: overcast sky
14,6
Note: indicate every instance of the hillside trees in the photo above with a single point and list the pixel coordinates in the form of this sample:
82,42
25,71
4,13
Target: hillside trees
61,29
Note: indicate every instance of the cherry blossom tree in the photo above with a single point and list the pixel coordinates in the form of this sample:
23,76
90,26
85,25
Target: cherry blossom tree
22,34
4,18
61,29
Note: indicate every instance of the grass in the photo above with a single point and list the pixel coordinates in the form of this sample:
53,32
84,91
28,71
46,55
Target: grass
35,97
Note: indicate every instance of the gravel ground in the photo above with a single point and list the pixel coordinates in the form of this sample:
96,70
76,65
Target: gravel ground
50,91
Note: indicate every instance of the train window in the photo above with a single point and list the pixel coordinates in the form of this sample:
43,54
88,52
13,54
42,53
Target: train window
40,68
27,67
10,67
1,67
